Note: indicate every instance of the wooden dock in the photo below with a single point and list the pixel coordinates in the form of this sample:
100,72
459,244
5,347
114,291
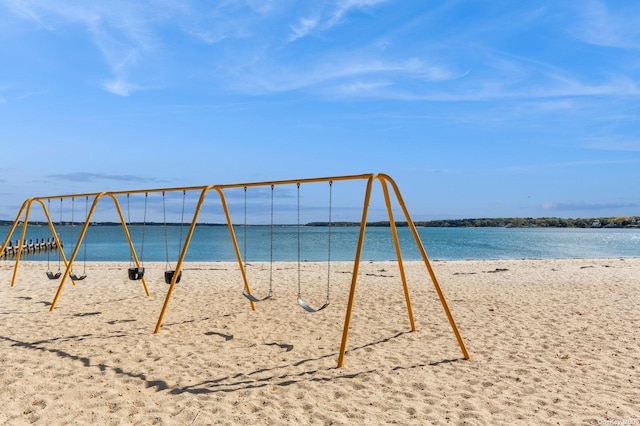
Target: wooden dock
29,247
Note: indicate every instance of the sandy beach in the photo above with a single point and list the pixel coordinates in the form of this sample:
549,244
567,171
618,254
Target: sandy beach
551,342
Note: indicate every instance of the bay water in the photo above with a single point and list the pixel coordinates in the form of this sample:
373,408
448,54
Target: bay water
212,243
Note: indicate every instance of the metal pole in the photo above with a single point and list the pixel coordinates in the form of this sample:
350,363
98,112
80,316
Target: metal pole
425,258
396,243
23,234
185,248
354,276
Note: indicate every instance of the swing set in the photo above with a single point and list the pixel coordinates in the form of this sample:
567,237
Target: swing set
173,275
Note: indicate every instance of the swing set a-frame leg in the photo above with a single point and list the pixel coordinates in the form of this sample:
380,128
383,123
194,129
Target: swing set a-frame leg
383,179
354,276
363,224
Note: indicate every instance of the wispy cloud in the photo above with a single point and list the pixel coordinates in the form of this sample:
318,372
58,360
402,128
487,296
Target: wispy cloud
361,87
345,73
23,9
302,28
581,205
223,21
611,27
613,143
563,165
27,95
17,93
135,39
492,76
328,15
122,32
93,177
501,75
345,6
120,86
132,36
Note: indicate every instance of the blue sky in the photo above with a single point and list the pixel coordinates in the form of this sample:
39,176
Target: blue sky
476,108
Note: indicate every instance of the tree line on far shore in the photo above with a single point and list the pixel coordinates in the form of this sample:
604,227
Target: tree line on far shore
512,222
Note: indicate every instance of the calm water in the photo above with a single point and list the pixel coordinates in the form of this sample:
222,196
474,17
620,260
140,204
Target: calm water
212,243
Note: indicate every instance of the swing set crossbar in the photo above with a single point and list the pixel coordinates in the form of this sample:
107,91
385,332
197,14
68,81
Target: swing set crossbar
384,180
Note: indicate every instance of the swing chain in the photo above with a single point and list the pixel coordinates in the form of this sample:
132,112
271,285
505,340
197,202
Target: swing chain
271,247
184,196
86,218
166,237
144,225
59,224
298,222
129,224
329,240
244,229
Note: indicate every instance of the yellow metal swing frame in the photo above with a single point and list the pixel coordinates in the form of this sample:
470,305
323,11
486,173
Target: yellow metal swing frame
384,180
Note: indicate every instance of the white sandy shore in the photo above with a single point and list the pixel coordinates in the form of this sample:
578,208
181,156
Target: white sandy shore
551,342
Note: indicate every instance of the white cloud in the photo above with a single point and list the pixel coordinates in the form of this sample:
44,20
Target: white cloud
23,9
343,73
504,75
304,27
208,37
538,168
122,32
129,37
610,27
92,177
328,15
613,143
359,87
582,205
346,6
32,94
119,87
262,7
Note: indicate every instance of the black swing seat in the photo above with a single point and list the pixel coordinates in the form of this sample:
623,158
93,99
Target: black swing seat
168,276
136,273
308,308
53,275
75,277
254,299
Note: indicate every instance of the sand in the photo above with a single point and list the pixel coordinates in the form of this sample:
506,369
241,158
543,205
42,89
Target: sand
551,342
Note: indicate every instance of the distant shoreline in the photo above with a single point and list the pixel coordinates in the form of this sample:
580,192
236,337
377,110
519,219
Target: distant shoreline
516,222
